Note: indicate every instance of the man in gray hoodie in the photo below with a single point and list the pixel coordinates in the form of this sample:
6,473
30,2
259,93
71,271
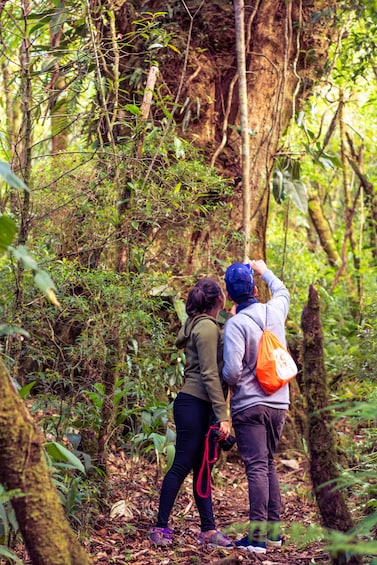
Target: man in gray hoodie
257,418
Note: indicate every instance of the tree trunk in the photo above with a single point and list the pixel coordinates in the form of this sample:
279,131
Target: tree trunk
124,260
45,530
370,198
21,164
57,105
279,36
239,8
322,228
321,438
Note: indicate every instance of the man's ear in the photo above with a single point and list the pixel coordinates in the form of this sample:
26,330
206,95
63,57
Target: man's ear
255,291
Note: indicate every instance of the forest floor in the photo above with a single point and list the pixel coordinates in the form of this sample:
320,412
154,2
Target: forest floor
122,539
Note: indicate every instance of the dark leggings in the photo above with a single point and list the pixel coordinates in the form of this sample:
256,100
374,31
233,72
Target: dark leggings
192,418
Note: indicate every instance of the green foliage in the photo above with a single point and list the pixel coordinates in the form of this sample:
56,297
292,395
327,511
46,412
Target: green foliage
108,324
286,181
75,490
7,233
150,439
358,55
163,203
8,523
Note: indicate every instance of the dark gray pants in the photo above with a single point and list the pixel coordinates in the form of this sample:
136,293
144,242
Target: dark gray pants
258,430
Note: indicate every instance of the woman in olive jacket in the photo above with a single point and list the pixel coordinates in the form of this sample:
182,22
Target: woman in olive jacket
200,401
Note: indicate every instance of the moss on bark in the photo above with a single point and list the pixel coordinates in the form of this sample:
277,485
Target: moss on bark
45,530
321,437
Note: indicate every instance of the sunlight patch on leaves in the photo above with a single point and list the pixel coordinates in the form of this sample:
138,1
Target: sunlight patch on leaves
123,509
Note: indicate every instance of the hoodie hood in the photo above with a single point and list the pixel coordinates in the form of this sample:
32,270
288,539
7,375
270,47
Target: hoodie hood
186,329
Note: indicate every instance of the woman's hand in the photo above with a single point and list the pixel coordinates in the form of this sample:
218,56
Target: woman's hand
224,430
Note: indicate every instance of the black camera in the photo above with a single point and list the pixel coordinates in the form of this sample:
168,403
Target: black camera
225,444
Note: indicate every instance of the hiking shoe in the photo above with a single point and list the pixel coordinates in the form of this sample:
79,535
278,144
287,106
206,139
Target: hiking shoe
274,541
252,546
161,536
214,539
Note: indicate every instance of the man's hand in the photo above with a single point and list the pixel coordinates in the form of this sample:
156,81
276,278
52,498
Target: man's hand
259,267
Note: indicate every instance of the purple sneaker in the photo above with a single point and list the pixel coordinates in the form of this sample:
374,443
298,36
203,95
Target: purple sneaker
214,539
161,536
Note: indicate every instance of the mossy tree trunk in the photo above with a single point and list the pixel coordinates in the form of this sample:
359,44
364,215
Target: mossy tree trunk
321,437
323,230
45,530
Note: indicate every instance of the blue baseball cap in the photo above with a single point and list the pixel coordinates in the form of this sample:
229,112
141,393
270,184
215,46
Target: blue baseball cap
239,282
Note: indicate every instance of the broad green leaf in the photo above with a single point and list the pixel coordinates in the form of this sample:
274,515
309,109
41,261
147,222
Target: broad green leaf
26,389
7,232
180,308
132,109
296,190
170,453
21,254
12,330
326,163
60,453
10,178
278,186
162,290
179,148
170,436
5,552
41,278
158,441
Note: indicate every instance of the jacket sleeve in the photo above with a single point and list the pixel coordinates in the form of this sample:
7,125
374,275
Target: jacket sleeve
280,295
206,343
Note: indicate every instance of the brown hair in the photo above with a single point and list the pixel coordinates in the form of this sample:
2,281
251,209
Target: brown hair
202,297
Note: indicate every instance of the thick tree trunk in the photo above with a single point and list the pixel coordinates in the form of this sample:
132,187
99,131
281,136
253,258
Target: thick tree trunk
322,444
45,530
279,36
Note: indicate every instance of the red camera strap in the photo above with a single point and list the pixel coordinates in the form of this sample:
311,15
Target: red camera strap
205,469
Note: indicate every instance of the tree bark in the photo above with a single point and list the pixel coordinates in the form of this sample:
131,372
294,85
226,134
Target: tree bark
239,8
321,437
322,228
124,259
45,530
279,37
57,105
355,160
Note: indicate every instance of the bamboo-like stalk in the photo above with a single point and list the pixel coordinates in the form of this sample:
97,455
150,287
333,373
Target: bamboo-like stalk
239,9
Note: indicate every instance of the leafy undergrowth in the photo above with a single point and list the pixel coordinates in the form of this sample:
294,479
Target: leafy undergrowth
123,538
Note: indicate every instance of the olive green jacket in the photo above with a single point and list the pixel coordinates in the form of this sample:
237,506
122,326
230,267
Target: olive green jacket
202,339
